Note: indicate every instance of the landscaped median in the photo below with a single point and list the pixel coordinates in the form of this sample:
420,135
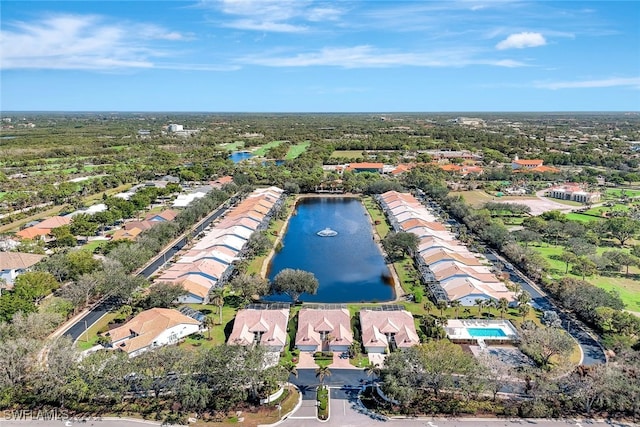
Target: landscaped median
323,403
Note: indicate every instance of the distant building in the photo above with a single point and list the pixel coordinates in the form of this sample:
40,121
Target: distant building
175,128
12,264
43,228
574,192
366,167
469,121
531,165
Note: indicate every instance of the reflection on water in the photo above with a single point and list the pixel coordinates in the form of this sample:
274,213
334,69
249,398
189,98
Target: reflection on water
349,266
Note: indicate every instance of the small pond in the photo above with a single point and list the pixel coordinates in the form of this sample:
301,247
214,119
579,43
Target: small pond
238,156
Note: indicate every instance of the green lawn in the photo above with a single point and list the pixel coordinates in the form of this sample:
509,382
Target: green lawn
617,192
233,146
217,334
91,246
88,339
581,217
260,152
2,194
351,154
598,211
296,150
382,227
627,287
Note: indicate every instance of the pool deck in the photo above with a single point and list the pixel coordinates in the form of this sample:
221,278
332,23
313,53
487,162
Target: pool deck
458,330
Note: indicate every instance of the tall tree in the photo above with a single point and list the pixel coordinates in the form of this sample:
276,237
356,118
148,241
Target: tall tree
249,286
322,372
294,283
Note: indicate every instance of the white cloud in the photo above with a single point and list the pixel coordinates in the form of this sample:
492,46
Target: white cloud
80,42
369,57
522,40
633,82
282,16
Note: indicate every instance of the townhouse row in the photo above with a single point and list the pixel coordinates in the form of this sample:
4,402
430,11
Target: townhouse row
209,263
447,267
325,329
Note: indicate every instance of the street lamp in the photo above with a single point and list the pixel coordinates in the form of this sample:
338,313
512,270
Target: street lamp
279,411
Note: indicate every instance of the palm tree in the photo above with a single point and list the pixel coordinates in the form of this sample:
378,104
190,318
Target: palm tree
292,369
480,303
503,306
373,370
524,310
456,305
209,322
322,372
524,297
442,305
217,299
428,306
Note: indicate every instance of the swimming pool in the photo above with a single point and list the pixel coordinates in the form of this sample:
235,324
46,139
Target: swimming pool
486,332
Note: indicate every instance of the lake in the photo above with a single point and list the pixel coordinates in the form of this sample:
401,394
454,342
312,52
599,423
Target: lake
349,266
238,156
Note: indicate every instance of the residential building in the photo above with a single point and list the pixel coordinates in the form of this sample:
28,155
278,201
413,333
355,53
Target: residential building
450,271
365,167
43,228
261,325
384,331
324,330
12,264
151,329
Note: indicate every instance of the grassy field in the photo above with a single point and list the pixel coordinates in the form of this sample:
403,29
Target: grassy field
627,287
351,154
260,152
581,217
233,146
91,246
296,150
477,198
617,192
598,211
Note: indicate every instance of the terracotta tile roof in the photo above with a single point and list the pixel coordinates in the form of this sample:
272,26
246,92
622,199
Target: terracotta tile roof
440,254
364,165
18,260
43,228
32,232
167,215
123,234
528,162
223,180
377,325
142,225
271,324
413,223
336,322
146,327
54,222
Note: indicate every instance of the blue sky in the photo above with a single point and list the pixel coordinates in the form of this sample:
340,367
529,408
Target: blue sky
320,56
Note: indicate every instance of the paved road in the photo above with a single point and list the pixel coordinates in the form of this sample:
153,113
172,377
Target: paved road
592,352
346,412
103,307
